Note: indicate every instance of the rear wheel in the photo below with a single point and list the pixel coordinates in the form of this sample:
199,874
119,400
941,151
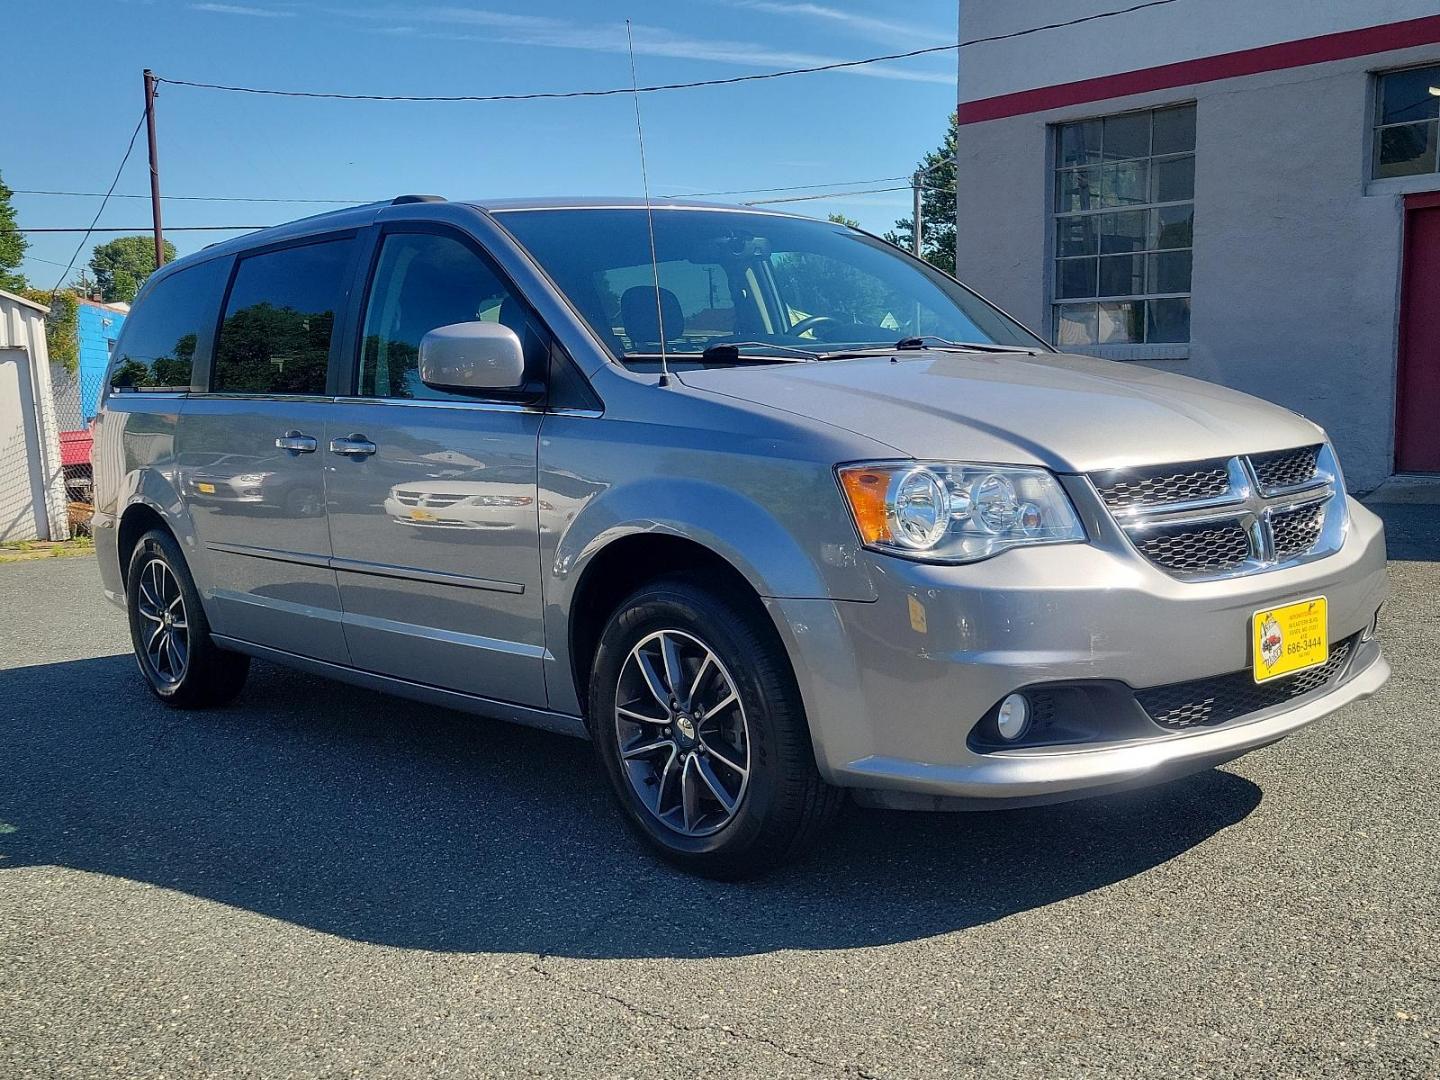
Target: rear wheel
700,729
180,662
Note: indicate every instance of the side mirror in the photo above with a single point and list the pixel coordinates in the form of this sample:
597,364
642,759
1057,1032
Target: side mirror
482,357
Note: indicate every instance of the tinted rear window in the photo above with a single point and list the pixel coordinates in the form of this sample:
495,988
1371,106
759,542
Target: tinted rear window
156,349
280,318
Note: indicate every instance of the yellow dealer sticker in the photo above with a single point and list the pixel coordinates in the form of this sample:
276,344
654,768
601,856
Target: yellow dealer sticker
204,488
1289,639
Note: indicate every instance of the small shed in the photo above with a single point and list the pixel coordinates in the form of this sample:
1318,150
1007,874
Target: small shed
32,477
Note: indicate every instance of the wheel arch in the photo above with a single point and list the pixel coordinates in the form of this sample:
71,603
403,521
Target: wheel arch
626,563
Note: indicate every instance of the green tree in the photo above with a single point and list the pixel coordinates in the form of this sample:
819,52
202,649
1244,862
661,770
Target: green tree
841,219
12,244
937,206
122,265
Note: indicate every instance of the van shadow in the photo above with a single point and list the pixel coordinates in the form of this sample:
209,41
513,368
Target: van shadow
388,822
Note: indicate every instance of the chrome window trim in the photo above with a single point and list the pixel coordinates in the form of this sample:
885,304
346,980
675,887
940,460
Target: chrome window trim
1252,508
469,406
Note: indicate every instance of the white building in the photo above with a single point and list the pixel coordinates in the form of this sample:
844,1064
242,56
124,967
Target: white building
32,479
1242,191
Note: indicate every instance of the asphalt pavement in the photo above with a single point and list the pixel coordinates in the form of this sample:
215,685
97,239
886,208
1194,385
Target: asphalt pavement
319,881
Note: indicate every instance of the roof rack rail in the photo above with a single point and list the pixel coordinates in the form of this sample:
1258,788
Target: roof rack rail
401,200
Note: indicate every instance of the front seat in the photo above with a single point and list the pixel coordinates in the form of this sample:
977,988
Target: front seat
642,327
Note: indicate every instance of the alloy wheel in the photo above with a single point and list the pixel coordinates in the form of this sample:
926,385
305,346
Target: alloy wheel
166,630
682,734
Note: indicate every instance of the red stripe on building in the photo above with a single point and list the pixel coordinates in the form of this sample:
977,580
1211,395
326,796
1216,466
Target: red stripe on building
1288,54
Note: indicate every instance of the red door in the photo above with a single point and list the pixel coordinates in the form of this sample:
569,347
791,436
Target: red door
1417,418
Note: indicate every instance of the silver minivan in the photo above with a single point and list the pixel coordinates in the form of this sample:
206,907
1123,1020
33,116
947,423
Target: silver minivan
765,507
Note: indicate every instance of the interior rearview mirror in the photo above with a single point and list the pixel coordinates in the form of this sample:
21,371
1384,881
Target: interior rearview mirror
472,356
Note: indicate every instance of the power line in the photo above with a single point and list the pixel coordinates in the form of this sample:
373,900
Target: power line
137,229
99,210
193,198
838,65
791,187
826,195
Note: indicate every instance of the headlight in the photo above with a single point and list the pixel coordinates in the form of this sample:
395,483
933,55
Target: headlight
947,512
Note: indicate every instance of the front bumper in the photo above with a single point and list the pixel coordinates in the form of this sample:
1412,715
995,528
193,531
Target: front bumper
894,688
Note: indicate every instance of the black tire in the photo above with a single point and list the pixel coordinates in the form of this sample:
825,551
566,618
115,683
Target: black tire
192,672
784,805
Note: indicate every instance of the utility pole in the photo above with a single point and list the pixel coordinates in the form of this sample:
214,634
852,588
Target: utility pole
916,242
154,169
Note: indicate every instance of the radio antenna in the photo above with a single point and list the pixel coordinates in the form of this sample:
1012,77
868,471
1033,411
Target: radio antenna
649,213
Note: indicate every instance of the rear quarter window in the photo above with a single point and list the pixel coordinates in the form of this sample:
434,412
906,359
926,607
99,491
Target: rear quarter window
157,347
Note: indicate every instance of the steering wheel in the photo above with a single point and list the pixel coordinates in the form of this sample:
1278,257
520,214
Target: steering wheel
808,324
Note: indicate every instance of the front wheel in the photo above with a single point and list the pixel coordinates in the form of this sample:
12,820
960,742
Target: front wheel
181,664
700,729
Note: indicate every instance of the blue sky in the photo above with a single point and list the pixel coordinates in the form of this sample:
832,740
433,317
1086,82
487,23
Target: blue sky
76,95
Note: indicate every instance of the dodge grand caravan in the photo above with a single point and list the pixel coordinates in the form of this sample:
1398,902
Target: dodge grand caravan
767,509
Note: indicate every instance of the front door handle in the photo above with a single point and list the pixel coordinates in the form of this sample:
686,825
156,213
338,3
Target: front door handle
297,443
356,446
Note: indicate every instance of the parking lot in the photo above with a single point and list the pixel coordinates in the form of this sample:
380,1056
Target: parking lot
320,881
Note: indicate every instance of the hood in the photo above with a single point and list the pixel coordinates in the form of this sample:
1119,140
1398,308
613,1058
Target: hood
1069,413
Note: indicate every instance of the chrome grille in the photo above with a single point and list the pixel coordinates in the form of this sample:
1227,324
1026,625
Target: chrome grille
1125,488
1219,700
1230,516
1204,549
1285,469
426,498
1296,531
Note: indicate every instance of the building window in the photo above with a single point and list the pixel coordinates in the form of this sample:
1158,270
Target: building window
1124,218
1407,114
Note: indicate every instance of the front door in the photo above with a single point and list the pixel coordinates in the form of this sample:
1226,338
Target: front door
250,453
432,496
1417,435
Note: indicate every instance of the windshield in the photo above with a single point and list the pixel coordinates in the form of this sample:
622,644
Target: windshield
753,280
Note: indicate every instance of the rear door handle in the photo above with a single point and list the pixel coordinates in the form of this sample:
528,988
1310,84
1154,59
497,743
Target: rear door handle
352,446
297,443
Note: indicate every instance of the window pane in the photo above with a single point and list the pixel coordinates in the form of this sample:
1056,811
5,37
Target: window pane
1174,226
1169,320
1123,323
1079,144
276,335
1172,179
1075,278
1122,233
1174,130
1127,136
1170,272
1122,275
1077,235
1077,189
1406,96
1407,150
1126,184
157,345
425,281
1075,325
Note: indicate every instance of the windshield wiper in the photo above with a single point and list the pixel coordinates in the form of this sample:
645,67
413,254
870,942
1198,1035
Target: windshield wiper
924,341
728,352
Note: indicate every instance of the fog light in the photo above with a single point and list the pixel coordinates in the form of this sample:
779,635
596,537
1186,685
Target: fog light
1013,718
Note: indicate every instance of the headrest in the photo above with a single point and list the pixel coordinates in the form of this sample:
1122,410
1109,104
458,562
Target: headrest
637,314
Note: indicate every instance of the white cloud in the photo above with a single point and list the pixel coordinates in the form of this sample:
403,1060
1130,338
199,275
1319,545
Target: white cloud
543,31
241,9
865,25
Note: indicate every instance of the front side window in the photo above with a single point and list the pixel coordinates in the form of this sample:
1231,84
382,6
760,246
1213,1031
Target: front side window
157,345
279,320
1124,218
751,279
424,281
1407,122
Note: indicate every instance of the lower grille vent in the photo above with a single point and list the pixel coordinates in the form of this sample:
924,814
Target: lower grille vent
1218,700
